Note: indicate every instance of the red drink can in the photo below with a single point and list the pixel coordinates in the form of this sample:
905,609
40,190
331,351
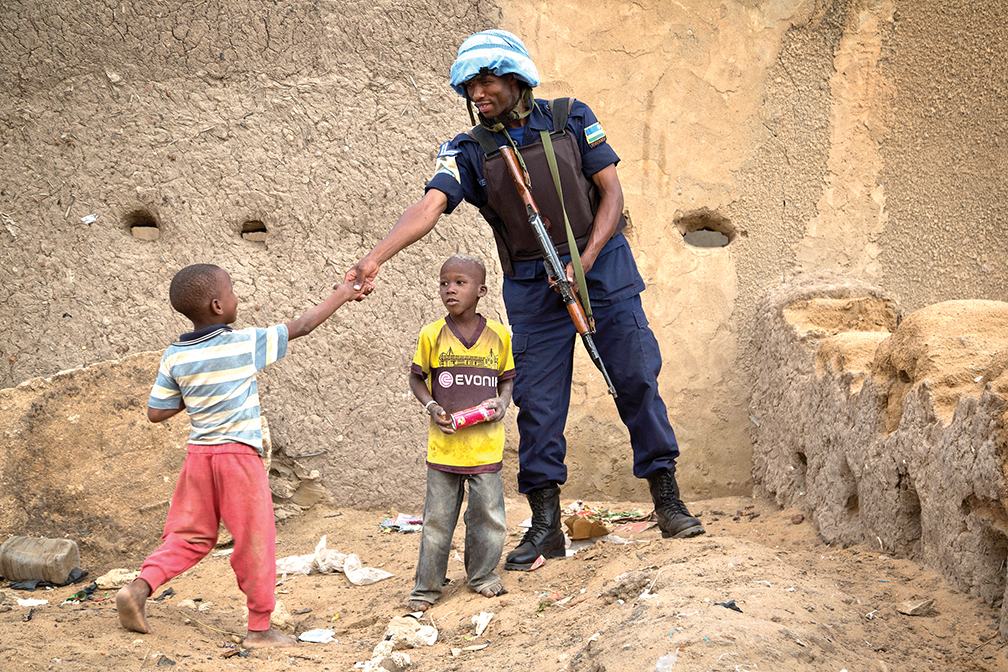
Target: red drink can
471,416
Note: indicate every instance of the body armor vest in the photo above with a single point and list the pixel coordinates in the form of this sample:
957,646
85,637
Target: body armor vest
505,211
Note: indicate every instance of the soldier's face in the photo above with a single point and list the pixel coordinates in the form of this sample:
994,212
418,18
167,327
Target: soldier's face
493,95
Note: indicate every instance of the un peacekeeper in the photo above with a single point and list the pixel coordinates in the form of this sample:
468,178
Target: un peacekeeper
494,73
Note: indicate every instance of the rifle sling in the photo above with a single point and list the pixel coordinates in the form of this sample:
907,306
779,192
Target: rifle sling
560,109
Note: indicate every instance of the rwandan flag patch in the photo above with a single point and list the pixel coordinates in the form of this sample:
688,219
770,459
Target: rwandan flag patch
594,134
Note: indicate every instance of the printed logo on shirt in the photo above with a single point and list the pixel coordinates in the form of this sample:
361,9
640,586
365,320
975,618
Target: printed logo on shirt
490,361
594,134
445,379
448,166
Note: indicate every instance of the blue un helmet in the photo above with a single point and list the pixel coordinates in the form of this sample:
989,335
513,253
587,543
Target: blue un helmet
497,52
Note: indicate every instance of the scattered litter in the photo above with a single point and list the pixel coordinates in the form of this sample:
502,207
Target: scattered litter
222,554
301,612
730,604
243,653
29,585
579,545
91,219
404,522
692,613
916,608
766,582
168,592
383,659
647,595
116,578
31,602
409,631
86,594
27,617
482,620
539,562
871,614
583,526
620,541
475,647
666,662
165,661
635,527
327,561
318,636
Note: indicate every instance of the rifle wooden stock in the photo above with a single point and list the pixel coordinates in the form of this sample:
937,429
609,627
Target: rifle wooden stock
555,269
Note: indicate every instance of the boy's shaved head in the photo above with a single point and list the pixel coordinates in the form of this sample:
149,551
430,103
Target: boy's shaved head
193,288
475,264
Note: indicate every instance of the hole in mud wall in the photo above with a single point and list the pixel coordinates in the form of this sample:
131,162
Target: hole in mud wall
705,228
254,230
800,467
846,483
142,224
908,519
852,504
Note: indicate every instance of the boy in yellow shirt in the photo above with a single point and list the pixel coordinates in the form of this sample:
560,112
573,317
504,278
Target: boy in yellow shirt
461,361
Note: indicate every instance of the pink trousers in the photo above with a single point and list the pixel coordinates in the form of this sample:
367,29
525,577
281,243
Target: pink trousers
225,482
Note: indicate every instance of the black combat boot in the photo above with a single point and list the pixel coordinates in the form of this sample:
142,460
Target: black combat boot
674,519
544,537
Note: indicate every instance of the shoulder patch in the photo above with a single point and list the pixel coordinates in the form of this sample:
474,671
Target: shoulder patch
446,150
594,134
448,165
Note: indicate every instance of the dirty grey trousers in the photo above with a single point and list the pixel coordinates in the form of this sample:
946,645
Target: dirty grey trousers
484,535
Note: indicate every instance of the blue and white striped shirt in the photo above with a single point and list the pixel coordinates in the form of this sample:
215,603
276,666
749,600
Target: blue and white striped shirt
213,371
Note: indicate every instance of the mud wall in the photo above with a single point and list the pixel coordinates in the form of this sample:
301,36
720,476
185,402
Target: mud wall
884,434
277,141
858,137
282,141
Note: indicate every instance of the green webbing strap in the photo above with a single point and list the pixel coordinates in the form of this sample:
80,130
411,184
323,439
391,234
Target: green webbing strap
571,241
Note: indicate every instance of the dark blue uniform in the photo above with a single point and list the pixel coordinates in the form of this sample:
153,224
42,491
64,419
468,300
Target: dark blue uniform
544,335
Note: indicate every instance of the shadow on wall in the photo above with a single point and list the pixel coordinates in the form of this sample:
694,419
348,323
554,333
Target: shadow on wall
887,429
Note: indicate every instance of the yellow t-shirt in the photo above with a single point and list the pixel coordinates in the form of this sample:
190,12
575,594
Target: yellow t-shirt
460,375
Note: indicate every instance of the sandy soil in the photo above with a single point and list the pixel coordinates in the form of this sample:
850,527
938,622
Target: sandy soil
804,606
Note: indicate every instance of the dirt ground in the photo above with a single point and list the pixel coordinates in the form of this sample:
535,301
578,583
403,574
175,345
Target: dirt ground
804,606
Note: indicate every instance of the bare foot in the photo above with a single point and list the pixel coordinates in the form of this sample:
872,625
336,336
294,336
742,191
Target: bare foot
263,639
418,605
130,602
496,590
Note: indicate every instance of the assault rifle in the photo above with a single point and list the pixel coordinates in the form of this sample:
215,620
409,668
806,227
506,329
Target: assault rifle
555,270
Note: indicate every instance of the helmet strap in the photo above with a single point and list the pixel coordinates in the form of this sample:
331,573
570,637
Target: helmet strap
497,124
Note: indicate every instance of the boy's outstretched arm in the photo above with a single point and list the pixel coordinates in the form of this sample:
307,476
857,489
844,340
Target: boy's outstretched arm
320,313
416,222
162,414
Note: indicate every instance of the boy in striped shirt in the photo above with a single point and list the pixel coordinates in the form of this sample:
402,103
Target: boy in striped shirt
210,373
